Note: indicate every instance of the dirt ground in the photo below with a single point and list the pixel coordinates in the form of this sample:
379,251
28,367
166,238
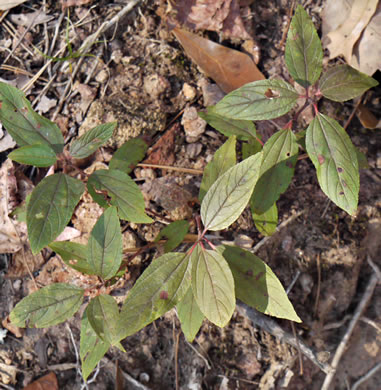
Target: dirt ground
139,75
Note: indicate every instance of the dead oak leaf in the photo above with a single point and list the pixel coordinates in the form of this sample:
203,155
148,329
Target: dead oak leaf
213,15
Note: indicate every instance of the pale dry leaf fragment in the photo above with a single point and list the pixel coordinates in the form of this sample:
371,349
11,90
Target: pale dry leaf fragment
6,141
343,39
7,373
12,232
45,104
8,4
213,15
367,51
334,14
229,68
88,95
68,234
31,19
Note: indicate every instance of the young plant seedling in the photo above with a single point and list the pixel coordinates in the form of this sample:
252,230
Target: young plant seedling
205,280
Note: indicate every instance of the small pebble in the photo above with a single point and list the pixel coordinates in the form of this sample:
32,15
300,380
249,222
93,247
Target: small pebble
189,92
102,76
193,150
244,241
144,377
193,125
306,282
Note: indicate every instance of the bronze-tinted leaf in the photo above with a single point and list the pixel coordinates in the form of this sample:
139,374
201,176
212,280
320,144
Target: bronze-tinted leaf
229,68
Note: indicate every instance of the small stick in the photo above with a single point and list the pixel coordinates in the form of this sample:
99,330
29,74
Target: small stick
318,286
364,378
278,229
298,348
270,326
177,340
170,168
349,120
289,16
342,346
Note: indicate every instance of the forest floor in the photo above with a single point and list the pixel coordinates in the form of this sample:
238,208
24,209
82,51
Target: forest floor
139,75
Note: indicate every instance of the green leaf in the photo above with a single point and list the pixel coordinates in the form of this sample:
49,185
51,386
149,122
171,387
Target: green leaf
103,315
264,99
280,154
229,195
266,222
124,193
362,160
48,306
342,82
73,254
50,208
93,139
301,138
128,155
304,54
39,155
190,315
223,159
334,156
174,233
257,285
250,148
227,126
161,286
92,348
213,285
24,125
104,248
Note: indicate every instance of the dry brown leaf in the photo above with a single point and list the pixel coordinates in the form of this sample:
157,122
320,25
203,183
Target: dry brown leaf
88,95
47,382
12,232
8,4
163,152
7,324
229,68
24,263
367,118
213,15
343,39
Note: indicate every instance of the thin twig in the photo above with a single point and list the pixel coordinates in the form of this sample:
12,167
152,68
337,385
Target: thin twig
342,346
294,280
170,168
318,285
349,120
177,340
300,358
13,33
289,17
89,41
270,326
364,378
199,354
